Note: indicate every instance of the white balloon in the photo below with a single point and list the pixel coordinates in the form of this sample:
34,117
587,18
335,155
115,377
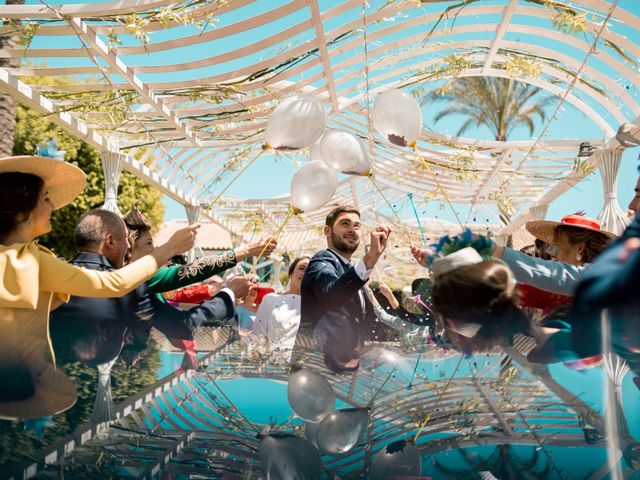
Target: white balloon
287,457
400,459
296,123
343,152
310,395
397,117
342,430
312,186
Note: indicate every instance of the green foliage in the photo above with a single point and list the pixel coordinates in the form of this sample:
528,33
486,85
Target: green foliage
499,104
32,129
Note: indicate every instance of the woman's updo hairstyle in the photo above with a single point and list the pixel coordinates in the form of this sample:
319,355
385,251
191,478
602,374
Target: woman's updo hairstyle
482,294
19,196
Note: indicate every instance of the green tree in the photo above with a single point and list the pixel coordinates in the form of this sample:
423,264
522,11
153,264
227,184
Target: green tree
7,103
501,104
32,129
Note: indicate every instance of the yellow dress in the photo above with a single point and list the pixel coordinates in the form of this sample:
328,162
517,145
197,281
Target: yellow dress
30,276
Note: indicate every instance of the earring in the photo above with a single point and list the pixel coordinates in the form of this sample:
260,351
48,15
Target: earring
579,257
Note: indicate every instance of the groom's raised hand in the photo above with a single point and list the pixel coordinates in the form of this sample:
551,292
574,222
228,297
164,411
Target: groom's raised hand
379,241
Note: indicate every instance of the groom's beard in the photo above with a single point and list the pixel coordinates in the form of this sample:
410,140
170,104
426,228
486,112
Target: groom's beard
343,246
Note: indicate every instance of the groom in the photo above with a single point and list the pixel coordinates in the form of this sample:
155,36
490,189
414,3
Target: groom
334,304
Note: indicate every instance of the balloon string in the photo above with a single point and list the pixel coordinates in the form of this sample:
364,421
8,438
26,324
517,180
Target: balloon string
206,210
426,420
435,179
292,212
424,240
253,234
381,387
404,227
415,368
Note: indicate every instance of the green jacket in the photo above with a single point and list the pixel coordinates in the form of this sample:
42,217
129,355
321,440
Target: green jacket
176,276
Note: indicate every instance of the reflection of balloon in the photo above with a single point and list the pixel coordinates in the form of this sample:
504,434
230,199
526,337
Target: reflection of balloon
310,395
285,457
296,123
399,459
342,430
310,432
397,117
344,153
312,186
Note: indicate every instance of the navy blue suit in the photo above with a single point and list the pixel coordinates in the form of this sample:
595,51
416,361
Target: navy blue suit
332,307
137,312
612,284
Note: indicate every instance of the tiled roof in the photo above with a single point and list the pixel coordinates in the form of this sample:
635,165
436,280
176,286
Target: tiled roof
209,237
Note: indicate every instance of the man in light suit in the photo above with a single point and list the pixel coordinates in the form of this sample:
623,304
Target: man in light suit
334,304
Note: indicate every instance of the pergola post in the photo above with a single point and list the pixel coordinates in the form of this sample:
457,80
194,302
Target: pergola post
112,167
612,218
193,215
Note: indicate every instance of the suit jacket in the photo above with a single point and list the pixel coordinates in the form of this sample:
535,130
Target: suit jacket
332,307
611,284
138,311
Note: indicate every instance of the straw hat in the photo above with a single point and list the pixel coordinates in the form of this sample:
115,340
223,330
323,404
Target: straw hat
53,392
63,180
544,229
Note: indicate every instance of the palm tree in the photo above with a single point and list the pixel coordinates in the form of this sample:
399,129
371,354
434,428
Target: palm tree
7,103
501,104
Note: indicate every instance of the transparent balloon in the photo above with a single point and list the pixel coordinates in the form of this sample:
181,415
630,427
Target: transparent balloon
287,457
397,460
342,430
310,432
312,186
310,395
345,153
397,117
297,122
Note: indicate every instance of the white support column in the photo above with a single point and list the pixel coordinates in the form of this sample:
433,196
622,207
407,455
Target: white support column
539,212
612,218
193,215
112,167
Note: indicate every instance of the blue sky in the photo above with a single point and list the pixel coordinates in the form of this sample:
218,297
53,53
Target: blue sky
271,176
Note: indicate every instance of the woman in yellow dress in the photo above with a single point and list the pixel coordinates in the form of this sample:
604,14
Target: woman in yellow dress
32,279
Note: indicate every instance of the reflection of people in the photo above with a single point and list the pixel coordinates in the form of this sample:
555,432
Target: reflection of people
33,278
278,317
333,303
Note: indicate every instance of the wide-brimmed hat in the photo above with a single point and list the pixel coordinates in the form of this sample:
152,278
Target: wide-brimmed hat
544,229
53,392
63,181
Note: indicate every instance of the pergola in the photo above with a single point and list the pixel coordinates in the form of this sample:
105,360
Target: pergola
179,93
184,425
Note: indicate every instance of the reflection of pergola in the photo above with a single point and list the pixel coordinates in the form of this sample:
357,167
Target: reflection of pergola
189,132
178,425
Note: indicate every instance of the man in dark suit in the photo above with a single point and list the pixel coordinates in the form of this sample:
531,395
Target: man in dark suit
612,283
94,329
334,304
